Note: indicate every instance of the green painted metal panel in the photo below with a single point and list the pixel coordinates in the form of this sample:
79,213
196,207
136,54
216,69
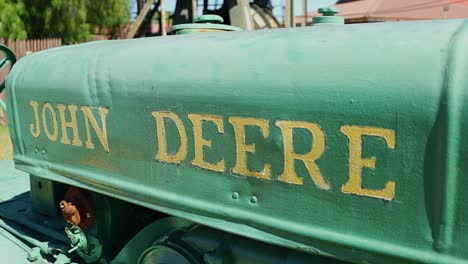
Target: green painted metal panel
401,82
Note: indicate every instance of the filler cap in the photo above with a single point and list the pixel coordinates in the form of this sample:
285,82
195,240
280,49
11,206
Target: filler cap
204,23
328,16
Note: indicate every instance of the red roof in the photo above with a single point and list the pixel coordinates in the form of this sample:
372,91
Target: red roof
384,10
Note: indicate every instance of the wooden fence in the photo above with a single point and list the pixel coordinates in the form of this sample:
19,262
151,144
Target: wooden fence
20,47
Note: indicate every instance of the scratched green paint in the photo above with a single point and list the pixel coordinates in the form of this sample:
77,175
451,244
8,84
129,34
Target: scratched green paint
409,77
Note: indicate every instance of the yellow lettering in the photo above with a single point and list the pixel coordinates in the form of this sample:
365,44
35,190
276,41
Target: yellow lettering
356,162
72,124
101,132
37,131
200,142
162,154
289,174
52,136
242,148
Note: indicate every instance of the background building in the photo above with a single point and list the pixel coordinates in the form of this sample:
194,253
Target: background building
365,11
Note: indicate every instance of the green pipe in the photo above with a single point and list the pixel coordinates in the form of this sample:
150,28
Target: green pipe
44,246
14,239
9,58
2,104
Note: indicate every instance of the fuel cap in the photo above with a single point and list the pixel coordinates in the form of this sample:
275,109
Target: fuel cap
202,24
328,16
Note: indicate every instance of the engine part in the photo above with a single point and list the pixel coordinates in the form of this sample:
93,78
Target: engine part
87,247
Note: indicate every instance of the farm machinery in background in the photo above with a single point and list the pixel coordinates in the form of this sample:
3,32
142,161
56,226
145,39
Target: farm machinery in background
239,13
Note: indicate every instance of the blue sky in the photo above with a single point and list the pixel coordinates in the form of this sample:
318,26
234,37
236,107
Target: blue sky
311,4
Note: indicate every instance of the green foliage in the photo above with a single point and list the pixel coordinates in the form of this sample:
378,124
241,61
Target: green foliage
10,18
168,18
57,18
108,14
71,20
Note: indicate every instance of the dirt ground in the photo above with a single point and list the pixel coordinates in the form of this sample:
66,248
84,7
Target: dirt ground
6,150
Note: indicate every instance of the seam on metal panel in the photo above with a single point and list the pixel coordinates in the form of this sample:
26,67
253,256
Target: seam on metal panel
454,106
103,81
14,111
91,81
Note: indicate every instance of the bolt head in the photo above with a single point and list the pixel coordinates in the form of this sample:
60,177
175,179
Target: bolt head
253,199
